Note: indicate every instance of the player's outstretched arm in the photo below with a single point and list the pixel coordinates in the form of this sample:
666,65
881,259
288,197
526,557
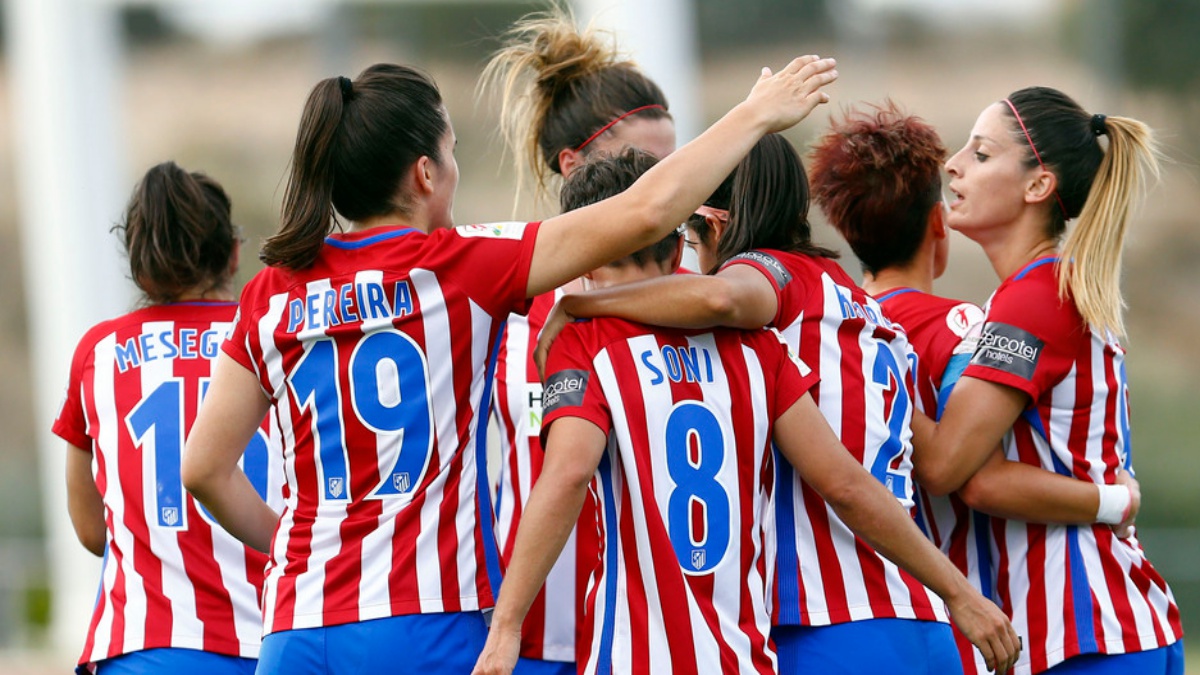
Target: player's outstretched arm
1019,491
84,503
863,504
579,241
574,447
739,297
231,413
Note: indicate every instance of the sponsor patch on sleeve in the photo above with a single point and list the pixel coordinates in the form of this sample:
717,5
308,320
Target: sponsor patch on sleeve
962,318
564,389
513,230
1008,349
779,274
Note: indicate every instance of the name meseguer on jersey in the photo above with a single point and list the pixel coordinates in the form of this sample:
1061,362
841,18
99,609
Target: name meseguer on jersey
186,343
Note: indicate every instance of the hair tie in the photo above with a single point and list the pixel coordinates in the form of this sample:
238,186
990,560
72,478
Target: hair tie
1099,126
620,117
347,88
1037,156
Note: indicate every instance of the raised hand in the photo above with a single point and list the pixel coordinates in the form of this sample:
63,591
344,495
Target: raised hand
786,97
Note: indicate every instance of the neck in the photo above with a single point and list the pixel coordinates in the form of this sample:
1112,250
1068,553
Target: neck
395,219
222,293
1015,244
895,277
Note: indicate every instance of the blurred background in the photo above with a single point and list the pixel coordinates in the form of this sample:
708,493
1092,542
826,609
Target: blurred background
96,91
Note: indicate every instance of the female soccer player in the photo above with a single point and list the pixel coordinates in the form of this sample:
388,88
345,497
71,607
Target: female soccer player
1048,377
178,594
564,95
371,348
686,482
877,175
835,592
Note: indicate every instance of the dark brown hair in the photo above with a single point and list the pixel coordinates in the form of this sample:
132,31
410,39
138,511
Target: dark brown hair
178,233
877,175
769,204
355,142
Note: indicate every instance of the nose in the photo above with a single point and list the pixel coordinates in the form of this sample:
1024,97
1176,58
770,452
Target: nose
952,165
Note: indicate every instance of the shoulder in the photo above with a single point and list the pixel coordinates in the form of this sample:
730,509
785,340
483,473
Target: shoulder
777,266
1029,300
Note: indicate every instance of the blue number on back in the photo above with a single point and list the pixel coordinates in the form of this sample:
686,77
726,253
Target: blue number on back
389,394
162,412
886,373
698,508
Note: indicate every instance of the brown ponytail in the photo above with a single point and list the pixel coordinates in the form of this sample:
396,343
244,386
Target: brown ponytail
355,142
178,234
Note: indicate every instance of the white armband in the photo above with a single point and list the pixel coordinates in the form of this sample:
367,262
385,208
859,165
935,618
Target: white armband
1115,501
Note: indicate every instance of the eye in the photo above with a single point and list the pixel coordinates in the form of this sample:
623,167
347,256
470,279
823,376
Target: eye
980,157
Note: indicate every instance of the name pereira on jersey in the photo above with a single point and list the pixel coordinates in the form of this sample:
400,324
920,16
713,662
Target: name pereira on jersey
349,303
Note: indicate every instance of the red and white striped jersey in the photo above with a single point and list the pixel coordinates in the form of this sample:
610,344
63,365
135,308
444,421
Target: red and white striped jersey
1069,590
171,576
827,575
549,631
684,490
378,360
943,333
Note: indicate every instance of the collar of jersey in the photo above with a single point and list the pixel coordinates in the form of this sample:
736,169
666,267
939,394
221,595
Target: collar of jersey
1034,265
894,292
352,240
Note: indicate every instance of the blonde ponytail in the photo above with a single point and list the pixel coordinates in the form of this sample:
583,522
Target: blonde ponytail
1091,255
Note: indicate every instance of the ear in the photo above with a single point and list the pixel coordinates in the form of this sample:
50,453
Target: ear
936,222
235,257
671,266
568,159
718,226
423,173
1041,188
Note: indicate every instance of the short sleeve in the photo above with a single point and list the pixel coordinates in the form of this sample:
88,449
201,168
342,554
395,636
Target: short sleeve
794,378
1027,337
235,345
572,388
490,263
773,270
71,424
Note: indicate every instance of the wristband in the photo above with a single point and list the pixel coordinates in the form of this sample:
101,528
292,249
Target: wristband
1115,501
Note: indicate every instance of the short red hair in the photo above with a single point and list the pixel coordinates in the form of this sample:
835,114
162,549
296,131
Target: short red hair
876,174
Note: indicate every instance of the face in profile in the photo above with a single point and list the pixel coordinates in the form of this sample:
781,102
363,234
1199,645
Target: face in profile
988,176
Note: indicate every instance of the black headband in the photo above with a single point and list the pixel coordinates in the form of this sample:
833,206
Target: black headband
1099,127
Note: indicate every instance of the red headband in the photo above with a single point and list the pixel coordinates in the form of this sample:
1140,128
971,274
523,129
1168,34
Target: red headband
608,126
1036,156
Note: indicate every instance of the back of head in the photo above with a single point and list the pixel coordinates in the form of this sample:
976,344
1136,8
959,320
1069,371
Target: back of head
877,175
768,206
605,176
356,140
1097,185
558,86
178,234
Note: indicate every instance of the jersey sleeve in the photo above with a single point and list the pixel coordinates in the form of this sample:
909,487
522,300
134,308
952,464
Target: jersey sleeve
1026,338
490,263
793,377
71,423
572,388
782,280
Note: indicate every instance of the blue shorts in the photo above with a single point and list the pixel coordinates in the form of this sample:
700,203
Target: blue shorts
174,661
413,643
1162,661
538,667
890,646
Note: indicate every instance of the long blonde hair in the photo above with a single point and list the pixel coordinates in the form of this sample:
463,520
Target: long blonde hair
1098,186
557,86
